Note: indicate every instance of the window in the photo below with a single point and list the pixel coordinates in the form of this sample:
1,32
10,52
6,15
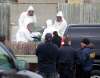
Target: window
77,33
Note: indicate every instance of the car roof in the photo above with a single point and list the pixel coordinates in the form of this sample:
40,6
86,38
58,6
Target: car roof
84,25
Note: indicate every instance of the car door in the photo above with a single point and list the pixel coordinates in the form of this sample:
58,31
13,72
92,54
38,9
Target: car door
6,60
79,32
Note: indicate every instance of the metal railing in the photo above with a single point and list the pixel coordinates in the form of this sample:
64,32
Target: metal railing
23,48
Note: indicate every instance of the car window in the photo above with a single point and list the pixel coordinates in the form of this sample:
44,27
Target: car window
85,31
4,62
77,33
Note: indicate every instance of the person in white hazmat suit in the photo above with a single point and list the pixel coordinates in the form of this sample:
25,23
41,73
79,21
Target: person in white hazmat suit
60,23
26,16
24,38
49,29
24,34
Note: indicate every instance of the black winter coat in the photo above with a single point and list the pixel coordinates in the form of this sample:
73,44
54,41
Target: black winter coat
67,55
47,57
57,40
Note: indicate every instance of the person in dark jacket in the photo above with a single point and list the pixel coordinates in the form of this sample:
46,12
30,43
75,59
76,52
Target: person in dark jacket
66,60
56,39
85,58
47,57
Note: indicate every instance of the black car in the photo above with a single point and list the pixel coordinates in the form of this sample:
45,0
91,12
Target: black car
77,32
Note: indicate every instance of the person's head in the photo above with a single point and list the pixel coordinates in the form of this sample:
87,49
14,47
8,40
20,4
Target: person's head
30,11
2,38
55,33
48,37
29,27
84,42
67,40
59,16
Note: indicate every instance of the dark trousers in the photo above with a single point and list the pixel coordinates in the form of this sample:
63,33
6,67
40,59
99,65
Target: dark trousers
85,74
65,71
80,73
66,74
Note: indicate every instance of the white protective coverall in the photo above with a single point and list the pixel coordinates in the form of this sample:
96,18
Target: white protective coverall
25,17
23,34
50,28
60,26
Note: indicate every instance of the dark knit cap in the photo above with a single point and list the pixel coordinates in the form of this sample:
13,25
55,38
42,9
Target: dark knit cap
48,37
85,41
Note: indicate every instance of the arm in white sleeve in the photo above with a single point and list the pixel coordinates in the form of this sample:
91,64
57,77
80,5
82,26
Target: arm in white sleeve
28,36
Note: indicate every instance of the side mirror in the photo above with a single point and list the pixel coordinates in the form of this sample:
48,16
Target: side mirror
22,64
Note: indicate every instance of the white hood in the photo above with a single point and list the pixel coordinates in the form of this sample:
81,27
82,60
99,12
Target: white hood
60,26
25,18
60,14
30,8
